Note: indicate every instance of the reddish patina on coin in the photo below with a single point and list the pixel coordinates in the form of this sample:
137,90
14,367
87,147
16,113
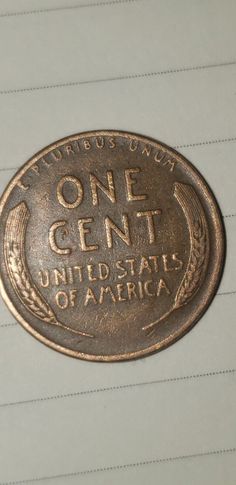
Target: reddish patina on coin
111,245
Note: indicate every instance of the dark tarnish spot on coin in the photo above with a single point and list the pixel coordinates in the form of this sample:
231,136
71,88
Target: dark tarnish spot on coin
111,246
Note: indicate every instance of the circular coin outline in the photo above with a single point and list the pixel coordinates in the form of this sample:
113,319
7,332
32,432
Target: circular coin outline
216,275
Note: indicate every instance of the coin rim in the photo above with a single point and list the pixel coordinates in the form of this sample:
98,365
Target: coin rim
195,315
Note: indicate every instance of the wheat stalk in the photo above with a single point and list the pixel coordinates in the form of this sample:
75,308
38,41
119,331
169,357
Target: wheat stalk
18,271
195,267
199,250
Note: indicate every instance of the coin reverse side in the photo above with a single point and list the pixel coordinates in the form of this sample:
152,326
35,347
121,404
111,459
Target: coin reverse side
111,246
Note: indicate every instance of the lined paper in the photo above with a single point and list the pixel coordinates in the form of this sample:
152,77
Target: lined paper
167,70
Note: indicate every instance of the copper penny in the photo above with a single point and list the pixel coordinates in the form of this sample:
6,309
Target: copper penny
111,245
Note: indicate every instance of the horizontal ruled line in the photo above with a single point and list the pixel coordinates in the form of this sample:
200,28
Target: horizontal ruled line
226,293
104,3
14,324
121,387
125,466
5,325
125,77
227,216
207,142
189,145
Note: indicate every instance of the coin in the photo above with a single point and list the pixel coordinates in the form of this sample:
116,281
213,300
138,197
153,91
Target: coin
111,246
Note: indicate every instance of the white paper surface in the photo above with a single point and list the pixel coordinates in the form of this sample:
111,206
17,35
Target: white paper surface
164,69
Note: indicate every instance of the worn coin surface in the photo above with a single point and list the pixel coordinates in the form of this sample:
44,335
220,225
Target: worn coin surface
111,245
